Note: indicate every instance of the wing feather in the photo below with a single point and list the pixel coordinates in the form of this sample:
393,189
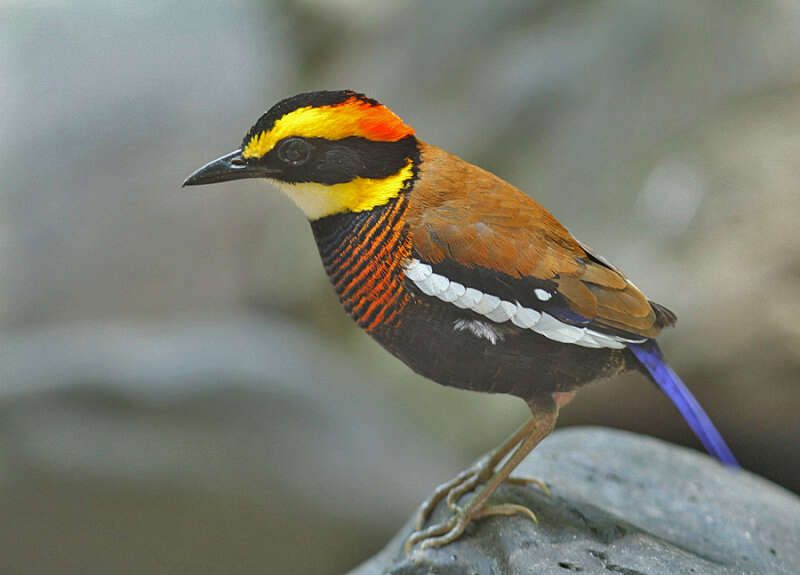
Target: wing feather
478,229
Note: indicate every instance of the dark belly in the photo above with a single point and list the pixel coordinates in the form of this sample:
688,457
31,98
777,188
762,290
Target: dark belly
434,339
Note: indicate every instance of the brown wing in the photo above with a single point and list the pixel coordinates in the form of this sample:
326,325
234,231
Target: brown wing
460,215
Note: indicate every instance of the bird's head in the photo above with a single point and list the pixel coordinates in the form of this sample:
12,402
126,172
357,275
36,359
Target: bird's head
331,152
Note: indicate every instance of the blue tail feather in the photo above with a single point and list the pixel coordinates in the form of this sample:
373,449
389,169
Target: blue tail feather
650,356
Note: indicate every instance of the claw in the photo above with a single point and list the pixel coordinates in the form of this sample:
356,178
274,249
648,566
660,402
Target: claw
505,509
525,481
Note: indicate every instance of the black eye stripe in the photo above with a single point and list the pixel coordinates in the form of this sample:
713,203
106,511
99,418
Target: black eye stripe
338,161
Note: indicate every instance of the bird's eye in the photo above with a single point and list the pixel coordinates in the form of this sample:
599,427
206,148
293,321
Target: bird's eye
294,151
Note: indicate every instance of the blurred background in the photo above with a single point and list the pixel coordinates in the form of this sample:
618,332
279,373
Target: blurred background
180,390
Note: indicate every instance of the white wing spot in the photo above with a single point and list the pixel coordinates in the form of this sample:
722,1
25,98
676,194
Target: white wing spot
487,304
439,284
556,330
502,312
417,271
525,317
469,300
498,311
453,292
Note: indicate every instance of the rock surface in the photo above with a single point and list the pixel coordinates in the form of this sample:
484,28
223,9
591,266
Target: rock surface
620,503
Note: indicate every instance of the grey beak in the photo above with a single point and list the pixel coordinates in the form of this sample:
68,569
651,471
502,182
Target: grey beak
229,167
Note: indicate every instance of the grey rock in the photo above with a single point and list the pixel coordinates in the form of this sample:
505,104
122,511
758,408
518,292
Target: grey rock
620,503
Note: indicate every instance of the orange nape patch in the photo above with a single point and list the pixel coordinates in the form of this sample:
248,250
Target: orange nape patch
353,117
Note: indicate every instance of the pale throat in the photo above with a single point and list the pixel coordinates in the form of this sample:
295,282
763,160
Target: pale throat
358,195
315,200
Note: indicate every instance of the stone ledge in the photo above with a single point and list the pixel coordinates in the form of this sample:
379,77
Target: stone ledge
620,503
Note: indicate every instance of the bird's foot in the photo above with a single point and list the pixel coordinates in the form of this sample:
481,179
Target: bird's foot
452,491
451,529
464,482
494,468
459,485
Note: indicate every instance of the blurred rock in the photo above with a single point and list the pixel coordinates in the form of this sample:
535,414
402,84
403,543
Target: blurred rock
620,503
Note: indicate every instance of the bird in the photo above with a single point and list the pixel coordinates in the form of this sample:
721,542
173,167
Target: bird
463,277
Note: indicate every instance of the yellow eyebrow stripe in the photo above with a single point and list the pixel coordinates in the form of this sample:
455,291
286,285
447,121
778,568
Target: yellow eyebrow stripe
353,117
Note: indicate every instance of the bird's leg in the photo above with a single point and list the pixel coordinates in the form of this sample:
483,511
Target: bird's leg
467,479
545,413
484,467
